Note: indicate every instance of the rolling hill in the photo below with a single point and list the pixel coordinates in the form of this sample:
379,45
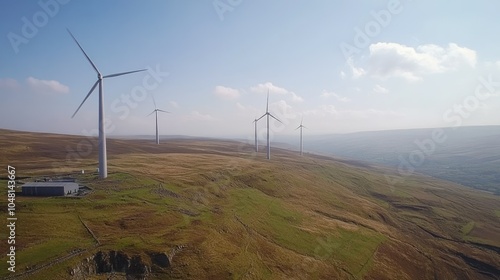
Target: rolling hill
213,209
466,155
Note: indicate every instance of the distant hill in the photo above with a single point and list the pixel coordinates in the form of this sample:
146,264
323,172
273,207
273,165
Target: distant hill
467,155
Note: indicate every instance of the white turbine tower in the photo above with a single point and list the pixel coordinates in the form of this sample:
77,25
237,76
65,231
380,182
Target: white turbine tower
256,140
301,143
103,164
268,115
156,110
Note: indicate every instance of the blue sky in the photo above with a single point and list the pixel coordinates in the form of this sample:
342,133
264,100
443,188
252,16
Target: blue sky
343,66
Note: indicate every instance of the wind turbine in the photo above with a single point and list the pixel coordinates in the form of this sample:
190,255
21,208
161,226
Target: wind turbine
256,141
103,164
268,115
156,110
301,143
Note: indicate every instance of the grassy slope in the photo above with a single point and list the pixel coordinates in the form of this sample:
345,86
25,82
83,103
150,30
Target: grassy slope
243,217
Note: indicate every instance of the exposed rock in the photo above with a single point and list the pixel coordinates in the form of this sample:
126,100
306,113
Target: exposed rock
137,267
160,259
111,262
102,262
116,261
119,261
123,266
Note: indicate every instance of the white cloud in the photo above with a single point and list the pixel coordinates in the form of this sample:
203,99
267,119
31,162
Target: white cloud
281,106
357,72
197,116
489,64
283,111
240,106
342,75
322,111
352,114
329,109
174,104
46,86
396,60
226,92
263,88
9,84
380,89
249,110
369,114
327,94
296,98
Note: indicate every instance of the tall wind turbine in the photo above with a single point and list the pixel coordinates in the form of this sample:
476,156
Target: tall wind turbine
301,143
268,115
156,110
103,164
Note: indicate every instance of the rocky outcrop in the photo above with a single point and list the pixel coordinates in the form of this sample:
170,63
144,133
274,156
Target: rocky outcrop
160,259
129,267
113,261
133,267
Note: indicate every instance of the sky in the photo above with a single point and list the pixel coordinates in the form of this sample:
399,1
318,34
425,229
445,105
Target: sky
340,66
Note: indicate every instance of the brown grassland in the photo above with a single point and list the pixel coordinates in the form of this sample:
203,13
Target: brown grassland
227,213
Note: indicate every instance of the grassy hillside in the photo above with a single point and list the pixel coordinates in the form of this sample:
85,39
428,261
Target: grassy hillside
220,211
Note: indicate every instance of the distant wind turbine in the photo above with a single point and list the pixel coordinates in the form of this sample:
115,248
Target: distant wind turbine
103,164
301,143
268,115
156,110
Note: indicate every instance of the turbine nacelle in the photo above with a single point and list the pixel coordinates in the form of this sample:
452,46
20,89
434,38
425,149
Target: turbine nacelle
301,126
157,110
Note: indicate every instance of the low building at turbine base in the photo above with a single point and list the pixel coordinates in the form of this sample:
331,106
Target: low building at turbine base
50,189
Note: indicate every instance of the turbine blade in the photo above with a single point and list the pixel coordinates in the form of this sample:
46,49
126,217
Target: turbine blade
151,113
154,102
88,58
261,117
124,73
88,94
275,118
301,121
163,111
298,127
